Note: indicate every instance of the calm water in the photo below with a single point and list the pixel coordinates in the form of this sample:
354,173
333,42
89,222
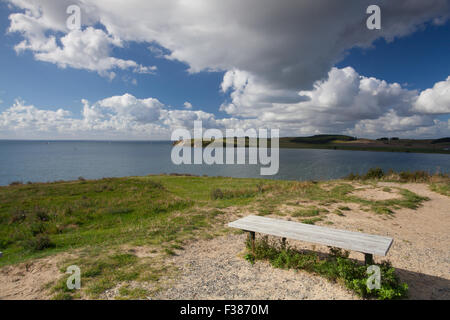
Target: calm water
39,161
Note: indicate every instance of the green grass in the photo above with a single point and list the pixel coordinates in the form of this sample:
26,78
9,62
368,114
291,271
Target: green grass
312,220
336,267
311,211
441,187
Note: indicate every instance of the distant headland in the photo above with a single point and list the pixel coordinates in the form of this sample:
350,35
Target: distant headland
344,142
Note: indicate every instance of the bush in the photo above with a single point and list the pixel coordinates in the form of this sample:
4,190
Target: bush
217,194
4,243
374,173
353,176
334,267
415,176
38,228
403,176
38,243
40,214
238,193
18,216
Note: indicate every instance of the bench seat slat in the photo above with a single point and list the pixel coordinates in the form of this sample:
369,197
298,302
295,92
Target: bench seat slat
356,241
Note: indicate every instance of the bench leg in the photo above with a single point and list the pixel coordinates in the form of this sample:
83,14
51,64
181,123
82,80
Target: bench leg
368,259
252,236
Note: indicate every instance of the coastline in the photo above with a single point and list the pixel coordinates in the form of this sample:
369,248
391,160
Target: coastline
401,145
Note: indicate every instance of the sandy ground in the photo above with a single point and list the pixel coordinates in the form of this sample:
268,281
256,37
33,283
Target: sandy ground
26,281
215,269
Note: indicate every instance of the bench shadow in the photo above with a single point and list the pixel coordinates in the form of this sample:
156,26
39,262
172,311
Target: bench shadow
423,286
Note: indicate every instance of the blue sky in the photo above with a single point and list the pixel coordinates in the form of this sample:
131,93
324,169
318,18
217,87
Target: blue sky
420,59
417,60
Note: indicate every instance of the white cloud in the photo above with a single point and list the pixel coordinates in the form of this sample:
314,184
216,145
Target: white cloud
117,117
20,117
88,49
344,102
388,110
288,43
187,105
435,100
391,124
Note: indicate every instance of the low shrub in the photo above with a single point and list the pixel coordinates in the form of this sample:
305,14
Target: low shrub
218,193
38,243
415,176
18,216
307,212
40,214
403,176
4,243
38,228
335,267
312,220
374,173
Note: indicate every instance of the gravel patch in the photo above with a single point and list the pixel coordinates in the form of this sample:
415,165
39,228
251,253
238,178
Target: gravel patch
215,269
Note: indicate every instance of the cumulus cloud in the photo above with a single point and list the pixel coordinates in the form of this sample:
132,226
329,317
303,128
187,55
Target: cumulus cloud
21,117
88,49
187,105
276,41
392,124
366,107
117,117
435,100
343,102
43,28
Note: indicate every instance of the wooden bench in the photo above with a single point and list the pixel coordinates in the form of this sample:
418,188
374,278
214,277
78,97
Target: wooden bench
365,243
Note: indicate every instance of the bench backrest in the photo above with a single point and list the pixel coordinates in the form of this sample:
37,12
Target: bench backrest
356,241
